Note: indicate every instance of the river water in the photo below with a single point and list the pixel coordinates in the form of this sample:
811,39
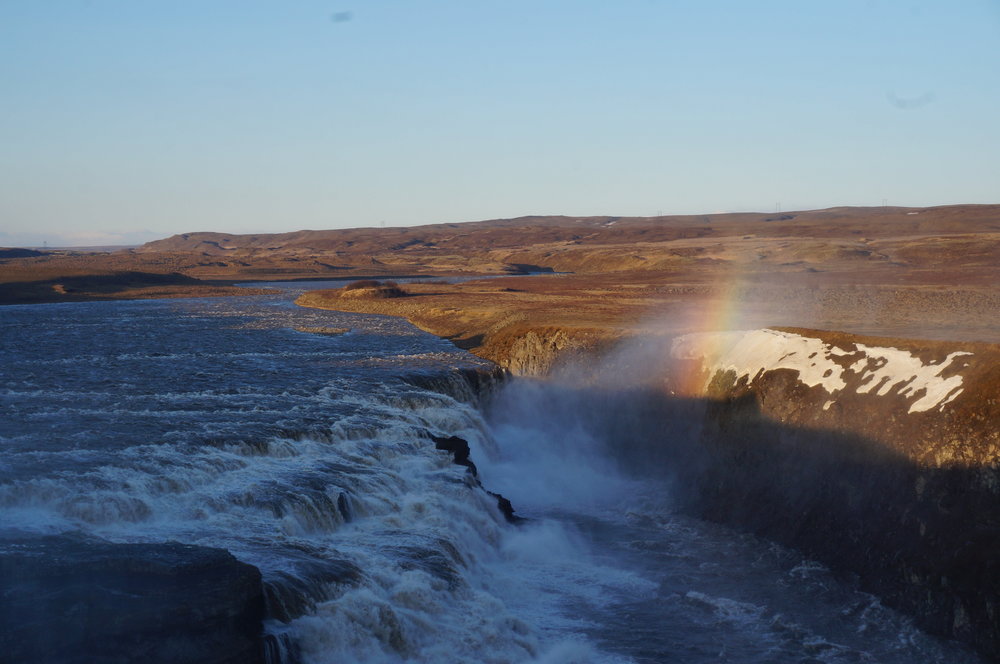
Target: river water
218,422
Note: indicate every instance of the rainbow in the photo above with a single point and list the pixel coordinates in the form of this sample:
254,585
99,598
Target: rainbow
723,311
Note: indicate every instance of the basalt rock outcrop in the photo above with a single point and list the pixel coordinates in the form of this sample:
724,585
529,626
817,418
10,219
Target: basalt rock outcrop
936,403
877,456
74,599
459,448
535,352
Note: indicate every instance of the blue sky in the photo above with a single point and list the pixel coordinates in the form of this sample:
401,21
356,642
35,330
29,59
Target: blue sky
127,120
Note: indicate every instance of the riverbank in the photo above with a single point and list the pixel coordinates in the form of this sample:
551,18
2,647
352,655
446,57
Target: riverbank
117,286
531,324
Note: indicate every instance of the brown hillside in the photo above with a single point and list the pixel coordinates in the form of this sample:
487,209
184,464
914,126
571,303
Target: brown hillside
877,258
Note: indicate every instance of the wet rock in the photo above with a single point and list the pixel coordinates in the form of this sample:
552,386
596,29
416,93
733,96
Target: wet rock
505,506
74,599
344,507
459,448
434,562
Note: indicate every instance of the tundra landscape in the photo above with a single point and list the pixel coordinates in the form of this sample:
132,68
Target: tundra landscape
899,272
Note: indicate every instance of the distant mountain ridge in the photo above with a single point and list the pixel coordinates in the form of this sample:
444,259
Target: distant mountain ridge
530,230
954,245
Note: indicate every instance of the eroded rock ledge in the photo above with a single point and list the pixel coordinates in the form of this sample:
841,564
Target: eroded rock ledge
878,456
72,598
937,404
490,319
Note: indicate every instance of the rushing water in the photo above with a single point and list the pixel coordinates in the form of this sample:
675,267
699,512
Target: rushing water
217,422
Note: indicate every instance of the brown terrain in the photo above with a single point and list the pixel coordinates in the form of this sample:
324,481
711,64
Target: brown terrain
923,273
900,271
905,272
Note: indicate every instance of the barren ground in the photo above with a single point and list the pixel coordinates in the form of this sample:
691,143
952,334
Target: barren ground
900,272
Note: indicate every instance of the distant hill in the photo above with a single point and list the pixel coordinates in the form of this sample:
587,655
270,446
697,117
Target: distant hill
533,230
953,245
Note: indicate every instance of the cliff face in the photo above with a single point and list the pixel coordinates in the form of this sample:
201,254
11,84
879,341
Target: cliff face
935,403
880,456
538,351
69,598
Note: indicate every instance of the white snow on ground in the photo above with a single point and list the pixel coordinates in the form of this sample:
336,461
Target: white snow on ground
898,370
748,353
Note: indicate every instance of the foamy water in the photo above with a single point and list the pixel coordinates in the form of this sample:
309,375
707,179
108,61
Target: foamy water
215,422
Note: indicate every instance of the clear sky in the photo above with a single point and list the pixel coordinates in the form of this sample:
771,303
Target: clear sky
126,120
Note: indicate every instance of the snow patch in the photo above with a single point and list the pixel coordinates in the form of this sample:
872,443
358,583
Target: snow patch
884,370
900,372
749,353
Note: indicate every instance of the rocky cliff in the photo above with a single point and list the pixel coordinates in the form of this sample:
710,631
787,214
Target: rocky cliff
878,456
491,322
71,598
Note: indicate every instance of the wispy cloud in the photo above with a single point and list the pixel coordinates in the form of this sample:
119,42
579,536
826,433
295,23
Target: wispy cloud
910,103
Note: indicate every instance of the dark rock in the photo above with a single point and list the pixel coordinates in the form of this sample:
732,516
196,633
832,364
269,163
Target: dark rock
459,448
75,599
344,507
505,506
